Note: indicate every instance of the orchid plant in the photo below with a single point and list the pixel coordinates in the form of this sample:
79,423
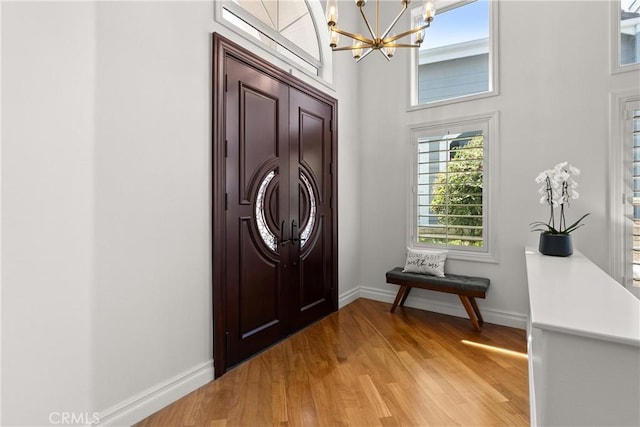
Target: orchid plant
558,187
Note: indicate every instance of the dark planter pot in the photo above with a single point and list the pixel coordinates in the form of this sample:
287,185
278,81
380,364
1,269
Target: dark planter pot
555,244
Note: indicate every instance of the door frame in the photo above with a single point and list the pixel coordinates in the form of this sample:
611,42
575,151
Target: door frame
223,48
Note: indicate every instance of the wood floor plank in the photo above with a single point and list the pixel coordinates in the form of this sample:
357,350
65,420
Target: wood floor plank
366,366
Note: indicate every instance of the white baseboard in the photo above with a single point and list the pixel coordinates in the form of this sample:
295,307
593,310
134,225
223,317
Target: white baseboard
155,398
513,320
348,297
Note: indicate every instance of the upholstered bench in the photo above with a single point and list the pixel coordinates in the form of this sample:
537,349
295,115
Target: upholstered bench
468,288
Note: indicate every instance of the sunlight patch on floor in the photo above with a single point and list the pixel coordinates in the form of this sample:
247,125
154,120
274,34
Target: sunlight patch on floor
495,349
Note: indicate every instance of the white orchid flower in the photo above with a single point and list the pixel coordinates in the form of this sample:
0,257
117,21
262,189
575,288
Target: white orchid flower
541,178
558,188
562,176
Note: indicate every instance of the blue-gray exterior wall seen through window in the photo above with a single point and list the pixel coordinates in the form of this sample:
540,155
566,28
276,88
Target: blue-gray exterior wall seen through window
453,78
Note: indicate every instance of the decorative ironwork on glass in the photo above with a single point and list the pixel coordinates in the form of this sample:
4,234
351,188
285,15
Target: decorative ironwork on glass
283,25
306,231
265,233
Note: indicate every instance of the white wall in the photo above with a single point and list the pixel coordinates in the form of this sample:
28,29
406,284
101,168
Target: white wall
48,83
152,299
347,91
553,106
106,148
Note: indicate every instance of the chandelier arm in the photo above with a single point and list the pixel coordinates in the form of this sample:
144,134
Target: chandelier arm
353,36
384,53
336,49
366,21
367,52
406,33
401,45
395,21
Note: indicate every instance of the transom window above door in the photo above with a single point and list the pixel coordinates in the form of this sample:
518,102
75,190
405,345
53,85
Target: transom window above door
287,27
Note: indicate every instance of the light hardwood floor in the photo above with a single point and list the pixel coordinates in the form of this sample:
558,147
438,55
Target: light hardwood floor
364,366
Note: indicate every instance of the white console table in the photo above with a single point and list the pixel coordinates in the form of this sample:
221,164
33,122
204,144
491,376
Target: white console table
584,344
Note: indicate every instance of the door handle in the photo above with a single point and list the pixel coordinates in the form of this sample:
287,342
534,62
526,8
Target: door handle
283,241
294,232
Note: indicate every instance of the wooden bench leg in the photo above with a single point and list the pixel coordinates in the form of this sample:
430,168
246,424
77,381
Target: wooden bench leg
476,310
404,297
470,311
401,295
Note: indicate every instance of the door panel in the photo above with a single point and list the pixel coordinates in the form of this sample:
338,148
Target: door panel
259,136
259,280
313,280
311,142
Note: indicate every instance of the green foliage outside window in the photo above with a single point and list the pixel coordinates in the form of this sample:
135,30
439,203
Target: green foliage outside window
457,197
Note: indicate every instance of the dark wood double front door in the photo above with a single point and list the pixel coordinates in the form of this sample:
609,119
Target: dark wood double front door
275,264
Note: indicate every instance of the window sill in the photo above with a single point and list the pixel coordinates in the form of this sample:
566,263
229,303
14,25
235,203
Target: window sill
462,255
620,69
449,101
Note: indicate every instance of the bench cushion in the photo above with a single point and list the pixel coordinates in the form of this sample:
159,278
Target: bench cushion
452,283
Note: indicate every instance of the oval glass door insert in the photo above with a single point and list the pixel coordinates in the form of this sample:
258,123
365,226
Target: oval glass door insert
268,237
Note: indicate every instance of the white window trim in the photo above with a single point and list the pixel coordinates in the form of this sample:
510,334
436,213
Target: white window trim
325,65
489,123
620,196
614,38
494,80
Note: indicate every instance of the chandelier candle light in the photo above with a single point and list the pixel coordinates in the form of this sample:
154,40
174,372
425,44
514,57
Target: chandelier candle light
384,42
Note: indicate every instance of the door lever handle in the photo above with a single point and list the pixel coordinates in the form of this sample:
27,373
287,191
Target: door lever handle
294,232
283,241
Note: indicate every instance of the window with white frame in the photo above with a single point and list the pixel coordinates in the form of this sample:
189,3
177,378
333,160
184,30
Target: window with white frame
451,177
456,60
285,27
629,32
625,36
624,205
